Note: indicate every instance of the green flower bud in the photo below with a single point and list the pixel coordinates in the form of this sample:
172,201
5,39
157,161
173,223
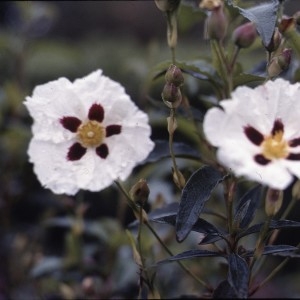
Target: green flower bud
167,5
273,201
244,35
275,41
216,24
171,95
174,75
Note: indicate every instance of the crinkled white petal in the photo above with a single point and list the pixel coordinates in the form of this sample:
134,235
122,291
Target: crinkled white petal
259,108
51,141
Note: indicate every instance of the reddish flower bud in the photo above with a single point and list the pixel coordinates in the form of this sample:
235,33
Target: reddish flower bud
284,59
244,35
171,95
174,75
216,24
280,63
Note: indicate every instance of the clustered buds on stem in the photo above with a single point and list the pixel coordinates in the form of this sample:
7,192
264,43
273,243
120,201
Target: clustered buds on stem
244,35
171,93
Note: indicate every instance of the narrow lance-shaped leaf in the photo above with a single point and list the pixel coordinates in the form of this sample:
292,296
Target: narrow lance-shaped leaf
274,249
194,195
191,254
246,207
238,275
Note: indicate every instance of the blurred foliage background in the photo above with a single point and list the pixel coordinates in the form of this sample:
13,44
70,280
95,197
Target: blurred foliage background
60,247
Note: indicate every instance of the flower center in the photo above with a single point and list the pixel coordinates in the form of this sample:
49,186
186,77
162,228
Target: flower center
91,133
274,146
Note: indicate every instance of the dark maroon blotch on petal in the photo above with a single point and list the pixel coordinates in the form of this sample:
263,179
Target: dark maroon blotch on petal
260,159
278,126
294,156
254,135
96,113
102,150
70,123
76,151
113,129
294,142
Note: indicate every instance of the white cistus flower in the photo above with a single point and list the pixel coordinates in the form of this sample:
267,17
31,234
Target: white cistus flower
86,134
257,132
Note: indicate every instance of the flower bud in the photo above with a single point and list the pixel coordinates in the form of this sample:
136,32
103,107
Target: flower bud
167,5
244,35
210,4
280,63
140,192
275,41
171,95
178,179
273,201
284,59
174,75
216,24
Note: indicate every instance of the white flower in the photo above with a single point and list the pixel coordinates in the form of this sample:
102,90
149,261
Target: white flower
258,132
86,134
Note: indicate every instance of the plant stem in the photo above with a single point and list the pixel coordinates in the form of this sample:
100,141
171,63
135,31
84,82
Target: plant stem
148,225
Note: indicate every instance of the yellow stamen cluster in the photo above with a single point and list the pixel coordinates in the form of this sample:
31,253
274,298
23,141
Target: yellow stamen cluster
91,134
275,146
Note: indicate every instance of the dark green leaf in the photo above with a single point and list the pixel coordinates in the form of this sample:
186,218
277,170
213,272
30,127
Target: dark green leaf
244,79
264,16
238,275
210,238
274,249
191,254
194,195
224,291
246,207
274,224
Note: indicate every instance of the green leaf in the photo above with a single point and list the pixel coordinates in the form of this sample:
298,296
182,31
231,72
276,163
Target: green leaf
246,207
245,79
194,195
238,275
274,249
264,16
191,254
274,224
